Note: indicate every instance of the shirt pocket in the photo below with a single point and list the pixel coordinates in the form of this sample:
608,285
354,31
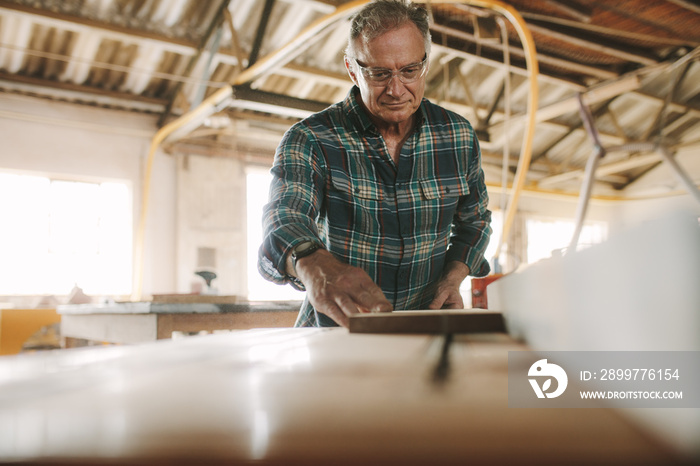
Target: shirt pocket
354,203
444,188
439,202
355,187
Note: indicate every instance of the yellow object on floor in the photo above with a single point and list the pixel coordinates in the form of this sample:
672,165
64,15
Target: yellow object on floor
17,325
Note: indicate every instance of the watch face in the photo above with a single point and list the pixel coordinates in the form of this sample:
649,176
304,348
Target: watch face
303,249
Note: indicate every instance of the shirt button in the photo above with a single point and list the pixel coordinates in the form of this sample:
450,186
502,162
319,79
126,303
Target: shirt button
447,190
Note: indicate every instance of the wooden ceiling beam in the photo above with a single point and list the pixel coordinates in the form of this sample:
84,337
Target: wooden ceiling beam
111,97
72,22
626,54
519,70
608,171
606,31
688,5
578,12
235,41
517,51
260,32
216,22
306,72
143,38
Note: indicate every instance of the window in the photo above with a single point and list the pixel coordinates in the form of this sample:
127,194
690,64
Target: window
56,234
551,236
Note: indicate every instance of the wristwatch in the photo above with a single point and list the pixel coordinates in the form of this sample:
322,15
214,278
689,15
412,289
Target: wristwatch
303,249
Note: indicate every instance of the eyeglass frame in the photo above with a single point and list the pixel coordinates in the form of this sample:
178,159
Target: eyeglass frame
397,73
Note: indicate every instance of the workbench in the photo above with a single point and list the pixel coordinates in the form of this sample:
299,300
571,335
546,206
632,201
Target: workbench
139,322
296,396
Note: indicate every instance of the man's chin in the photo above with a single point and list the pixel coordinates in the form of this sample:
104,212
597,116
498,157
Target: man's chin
396,116
396,107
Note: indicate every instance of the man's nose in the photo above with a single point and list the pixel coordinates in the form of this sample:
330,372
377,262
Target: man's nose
394,86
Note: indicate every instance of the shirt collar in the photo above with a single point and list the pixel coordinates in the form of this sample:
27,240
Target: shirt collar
358,114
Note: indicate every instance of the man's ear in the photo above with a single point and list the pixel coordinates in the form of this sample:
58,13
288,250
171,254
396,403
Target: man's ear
351,70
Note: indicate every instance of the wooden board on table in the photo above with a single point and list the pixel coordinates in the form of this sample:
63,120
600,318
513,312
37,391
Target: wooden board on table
196,298
430,322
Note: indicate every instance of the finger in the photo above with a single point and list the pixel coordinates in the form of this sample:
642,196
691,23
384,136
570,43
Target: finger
373,300
453,301
337,314
382,307
453,305
438,301
347,305
435,305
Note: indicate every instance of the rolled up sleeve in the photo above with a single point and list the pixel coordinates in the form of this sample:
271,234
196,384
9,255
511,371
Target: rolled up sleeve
295,197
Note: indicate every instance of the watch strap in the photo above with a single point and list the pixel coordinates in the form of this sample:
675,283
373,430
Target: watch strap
303,249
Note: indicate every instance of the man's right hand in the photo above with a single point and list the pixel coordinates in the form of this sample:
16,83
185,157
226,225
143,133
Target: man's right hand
337,289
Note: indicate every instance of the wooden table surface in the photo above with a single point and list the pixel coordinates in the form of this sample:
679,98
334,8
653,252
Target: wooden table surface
295,396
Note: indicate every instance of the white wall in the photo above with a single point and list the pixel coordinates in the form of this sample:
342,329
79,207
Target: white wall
211,213
632,213
44,137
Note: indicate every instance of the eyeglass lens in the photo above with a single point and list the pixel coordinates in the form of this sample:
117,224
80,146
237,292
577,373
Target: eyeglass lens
407,74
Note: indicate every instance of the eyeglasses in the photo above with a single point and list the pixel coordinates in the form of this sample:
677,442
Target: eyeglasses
407,74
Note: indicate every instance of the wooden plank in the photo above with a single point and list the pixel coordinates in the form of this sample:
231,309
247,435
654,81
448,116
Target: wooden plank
169,323
196,298
429,322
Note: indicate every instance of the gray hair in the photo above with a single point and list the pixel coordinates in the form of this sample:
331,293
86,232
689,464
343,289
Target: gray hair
379,16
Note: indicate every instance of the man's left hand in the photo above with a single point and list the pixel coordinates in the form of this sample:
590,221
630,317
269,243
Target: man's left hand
447,295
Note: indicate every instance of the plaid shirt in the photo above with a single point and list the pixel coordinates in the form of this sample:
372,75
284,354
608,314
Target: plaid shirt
335,183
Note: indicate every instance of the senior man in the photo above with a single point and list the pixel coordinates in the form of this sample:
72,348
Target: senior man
378,202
